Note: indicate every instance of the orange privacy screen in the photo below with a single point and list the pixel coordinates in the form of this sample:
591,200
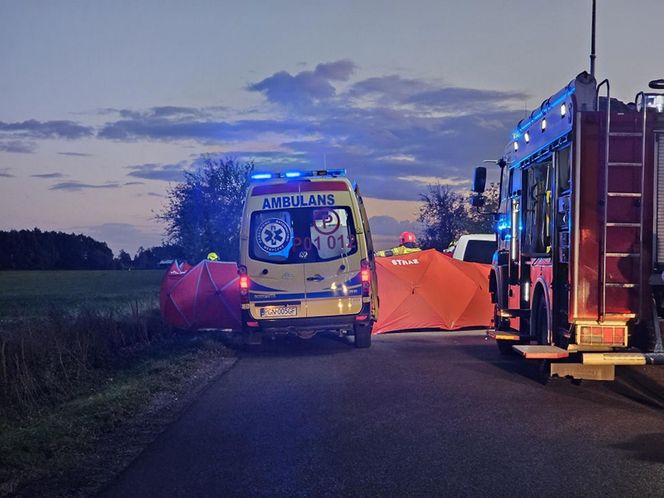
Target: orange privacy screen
429,290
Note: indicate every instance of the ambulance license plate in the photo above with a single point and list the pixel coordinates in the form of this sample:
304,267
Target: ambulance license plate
278,311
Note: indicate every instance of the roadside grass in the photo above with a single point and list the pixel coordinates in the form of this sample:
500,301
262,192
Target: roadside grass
83,355
25,294
52,441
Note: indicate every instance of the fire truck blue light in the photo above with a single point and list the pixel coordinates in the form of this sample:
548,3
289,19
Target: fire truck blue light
293,174
261,176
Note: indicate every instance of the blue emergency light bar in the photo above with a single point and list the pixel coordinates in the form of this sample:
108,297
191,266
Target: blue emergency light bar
261,176
266,175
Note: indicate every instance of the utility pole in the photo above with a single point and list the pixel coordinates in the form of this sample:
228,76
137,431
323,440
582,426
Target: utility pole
592,42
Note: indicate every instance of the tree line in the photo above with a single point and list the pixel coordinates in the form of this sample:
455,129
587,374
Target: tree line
38,250
43,250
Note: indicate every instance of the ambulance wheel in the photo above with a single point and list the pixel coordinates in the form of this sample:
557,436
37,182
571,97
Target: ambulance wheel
362,335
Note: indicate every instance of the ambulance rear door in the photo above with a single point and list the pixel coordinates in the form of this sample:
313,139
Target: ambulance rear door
274,268
333,265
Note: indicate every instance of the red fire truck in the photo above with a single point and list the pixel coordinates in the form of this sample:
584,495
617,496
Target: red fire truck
577,275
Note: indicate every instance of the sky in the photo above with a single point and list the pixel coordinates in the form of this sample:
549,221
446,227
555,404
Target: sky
103,104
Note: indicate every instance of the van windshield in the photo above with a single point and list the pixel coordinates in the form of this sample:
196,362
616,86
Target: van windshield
302,235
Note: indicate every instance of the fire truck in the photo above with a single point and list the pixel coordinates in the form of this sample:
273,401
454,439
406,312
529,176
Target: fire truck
577,275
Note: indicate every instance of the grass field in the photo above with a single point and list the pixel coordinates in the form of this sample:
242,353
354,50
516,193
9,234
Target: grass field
31,293
82,354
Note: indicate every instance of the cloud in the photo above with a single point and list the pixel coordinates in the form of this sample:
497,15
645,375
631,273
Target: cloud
75,154
392,133
159,128
166,111
75,186
153,171
46,129
389,89
17,146
465,99
5,173
48,175
306,86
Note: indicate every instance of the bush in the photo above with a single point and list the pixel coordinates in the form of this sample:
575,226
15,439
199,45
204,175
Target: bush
44,361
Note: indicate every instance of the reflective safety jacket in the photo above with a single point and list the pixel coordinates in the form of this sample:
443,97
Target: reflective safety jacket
398,251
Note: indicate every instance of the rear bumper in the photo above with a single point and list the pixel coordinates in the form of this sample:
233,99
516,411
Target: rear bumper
623,358
293,325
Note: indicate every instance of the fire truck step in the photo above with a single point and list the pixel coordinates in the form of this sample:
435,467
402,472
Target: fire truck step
625,134
541,352
614,359
503,335
621,285
623,254
624,194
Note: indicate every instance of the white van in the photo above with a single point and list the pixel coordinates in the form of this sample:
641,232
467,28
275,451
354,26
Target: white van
475,248
306,256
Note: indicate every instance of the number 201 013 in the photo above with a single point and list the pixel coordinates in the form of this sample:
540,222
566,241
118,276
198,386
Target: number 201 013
330,242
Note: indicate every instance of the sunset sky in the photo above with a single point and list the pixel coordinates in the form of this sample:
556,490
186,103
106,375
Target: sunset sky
103,104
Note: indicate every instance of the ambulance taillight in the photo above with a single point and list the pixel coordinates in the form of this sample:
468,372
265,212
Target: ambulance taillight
244,285
365,276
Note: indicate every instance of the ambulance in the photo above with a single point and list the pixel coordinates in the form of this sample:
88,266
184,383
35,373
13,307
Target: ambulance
306,257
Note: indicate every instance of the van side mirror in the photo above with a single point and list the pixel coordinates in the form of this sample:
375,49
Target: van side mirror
479,180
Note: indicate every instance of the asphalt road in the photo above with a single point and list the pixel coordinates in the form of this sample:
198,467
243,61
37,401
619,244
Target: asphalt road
418,414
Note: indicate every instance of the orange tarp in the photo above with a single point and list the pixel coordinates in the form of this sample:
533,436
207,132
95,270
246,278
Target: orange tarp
426,290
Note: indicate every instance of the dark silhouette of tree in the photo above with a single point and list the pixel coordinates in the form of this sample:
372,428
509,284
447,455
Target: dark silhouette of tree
443,216
37,250
446,214
203,213
123,260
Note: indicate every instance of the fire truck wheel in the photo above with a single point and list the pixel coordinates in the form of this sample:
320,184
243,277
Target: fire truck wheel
362,335
541,323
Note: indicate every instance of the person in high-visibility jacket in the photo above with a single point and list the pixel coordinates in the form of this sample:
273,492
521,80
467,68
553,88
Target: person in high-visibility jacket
407,245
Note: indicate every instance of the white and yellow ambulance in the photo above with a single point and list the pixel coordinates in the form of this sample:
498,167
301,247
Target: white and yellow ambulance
306,256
